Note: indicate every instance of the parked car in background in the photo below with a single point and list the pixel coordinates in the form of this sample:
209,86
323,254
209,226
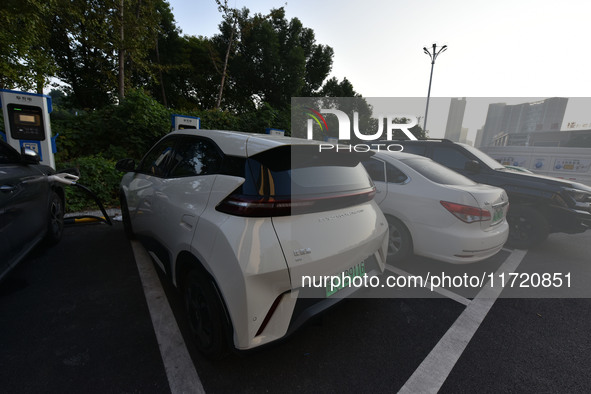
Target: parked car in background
519,169
435,212
540,205
237,220
31,205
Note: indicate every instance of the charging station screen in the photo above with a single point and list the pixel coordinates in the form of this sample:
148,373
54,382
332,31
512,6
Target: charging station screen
28,119
26,122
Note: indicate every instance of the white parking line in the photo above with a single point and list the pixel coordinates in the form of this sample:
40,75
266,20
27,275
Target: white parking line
180,371
434,370
444,292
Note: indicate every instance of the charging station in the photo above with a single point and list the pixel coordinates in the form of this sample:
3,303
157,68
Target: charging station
27,124
272,131
182,122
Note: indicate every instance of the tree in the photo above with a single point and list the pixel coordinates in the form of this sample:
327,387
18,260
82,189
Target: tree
274,59
25,59
230,16
121,49
197,81
138,40
84,50
166,58
334,88
92,54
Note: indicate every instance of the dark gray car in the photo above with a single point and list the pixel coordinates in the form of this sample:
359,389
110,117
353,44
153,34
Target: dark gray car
31,205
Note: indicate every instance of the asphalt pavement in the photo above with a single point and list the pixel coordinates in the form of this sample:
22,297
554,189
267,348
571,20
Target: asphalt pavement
74,318
533,345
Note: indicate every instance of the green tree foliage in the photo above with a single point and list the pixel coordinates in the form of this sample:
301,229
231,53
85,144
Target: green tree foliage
270,59
142,23
194,81
166,58
334,88
274,59
86,42
83,48
25,59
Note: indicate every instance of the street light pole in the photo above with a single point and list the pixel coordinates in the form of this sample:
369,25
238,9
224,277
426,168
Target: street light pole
433,56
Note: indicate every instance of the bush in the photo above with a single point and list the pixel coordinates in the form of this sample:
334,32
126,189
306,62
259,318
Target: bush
115,131
97,174
135,125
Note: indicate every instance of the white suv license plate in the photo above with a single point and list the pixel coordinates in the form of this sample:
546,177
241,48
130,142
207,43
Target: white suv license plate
348,277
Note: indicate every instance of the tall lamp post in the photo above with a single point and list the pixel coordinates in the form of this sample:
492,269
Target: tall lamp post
433,55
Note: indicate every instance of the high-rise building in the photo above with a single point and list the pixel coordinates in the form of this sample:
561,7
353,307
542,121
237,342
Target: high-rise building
464,135
493,124
545,115
479,135
455,117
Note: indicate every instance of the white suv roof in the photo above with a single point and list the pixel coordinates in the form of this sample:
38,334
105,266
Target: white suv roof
236,143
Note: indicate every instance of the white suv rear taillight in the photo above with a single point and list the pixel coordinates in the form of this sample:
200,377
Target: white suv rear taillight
257,206
293,180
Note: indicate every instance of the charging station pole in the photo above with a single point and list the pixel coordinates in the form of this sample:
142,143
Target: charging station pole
27,124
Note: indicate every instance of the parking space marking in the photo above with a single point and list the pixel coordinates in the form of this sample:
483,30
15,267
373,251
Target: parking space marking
434,370
180,370
440,290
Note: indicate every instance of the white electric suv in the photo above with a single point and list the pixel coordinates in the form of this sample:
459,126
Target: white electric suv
435,212
237,220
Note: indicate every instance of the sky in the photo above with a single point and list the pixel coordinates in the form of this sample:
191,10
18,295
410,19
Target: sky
498,49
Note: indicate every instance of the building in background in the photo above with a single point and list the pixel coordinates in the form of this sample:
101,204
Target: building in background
479,135
568,138
464,135
455,117
504,121
493,124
